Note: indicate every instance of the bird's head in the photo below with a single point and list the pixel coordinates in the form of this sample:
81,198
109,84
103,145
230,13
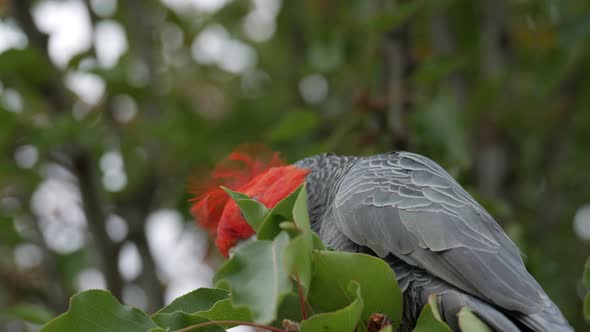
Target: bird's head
253,170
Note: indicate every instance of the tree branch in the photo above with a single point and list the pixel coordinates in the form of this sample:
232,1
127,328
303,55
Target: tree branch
135,211
444,44
83,166
398,67
53,89
491,153
82,160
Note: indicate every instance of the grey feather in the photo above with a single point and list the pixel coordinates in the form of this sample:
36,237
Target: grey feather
470,243
406,208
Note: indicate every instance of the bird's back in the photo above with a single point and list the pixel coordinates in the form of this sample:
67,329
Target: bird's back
406,209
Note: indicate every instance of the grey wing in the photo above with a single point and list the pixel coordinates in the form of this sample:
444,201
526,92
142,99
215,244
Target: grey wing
406,205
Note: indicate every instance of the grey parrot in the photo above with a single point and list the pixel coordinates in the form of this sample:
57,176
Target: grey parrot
407,210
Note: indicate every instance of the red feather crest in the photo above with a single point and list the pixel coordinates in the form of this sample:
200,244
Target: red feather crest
242,165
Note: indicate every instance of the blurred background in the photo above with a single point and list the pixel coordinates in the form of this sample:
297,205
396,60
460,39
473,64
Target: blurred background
107,107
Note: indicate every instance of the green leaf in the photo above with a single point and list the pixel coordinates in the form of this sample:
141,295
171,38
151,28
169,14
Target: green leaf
283,211
300,249
468,322
99,311
341,320
254,212
224,310
221,310
178,320
197,300
300,213
234,194
28,312
290,309
334,270
298,260
257,277
388,328
317,242
429,319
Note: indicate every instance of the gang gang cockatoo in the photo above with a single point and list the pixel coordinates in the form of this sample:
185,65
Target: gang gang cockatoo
403,208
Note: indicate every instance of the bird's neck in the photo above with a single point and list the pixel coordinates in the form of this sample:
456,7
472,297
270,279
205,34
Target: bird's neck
327,171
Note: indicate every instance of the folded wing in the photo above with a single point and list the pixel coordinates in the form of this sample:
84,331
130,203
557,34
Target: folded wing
406,205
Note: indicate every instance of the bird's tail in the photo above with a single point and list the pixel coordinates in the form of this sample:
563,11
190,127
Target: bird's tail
548,320
451,302
418,286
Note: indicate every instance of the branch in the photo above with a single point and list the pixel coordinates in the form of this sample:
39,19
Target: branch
135,210
142,33
491,152
57,293
138,205
398,68
53,89
82,159
83,166
444,44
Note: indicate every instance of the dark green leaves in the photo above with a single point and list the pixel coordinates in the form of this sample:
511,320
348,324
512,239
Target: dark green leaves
197,300
285,274
257,277
254,212
341,320
339,284
221,310
192,308
333,271
283,211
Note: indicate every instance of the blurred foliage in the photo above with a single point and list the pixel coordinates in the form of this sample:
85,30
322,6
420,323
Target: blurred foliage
496,92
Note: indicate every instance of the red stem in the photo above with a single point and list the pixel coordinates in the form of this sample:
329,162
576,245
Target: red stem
301,297
224,322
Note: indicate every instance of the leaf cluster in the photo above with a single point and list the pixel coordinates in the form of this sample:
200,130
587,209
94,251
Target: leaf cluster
284,280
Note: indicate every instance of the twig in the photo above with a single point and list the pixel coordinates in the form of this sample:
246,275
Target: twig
301,297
